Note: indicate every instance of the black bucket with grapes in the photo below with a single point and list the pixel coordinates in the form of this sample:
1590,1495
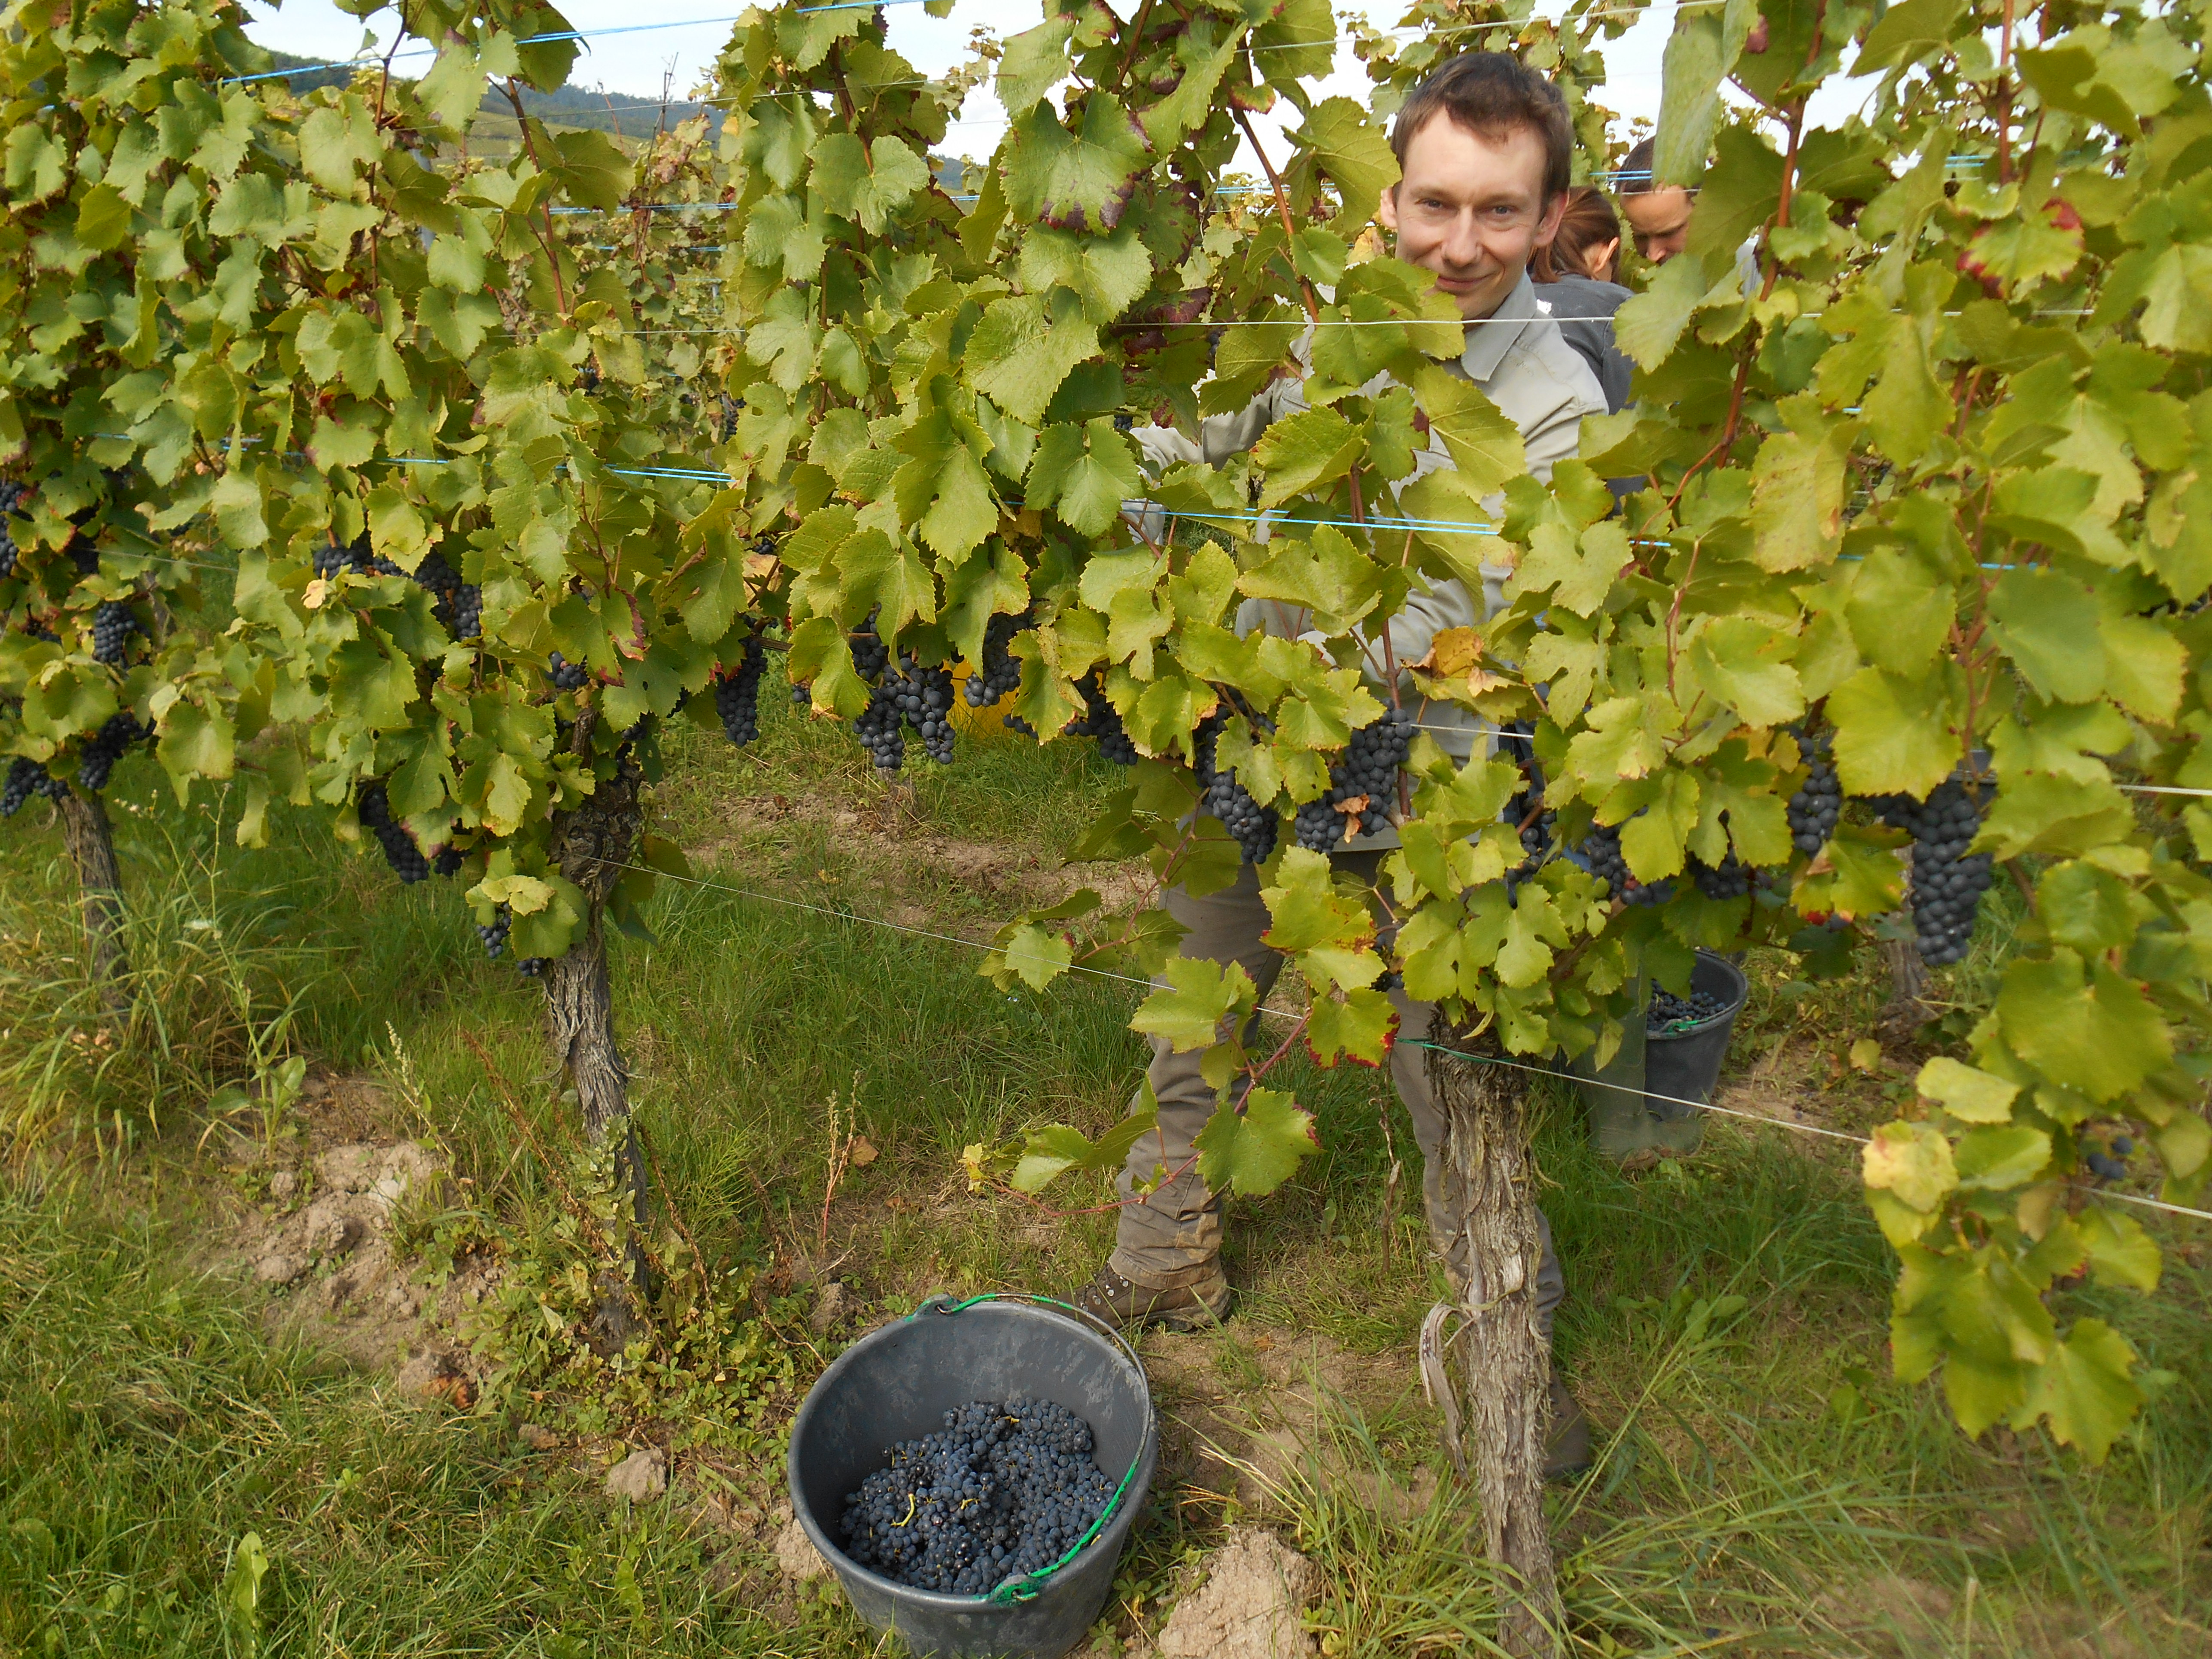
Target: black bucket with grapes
971,1473
1685,1038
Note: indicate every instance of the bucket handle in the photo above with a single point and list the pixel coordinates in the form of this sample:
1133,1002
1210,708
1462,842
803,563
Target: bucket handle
1024,1588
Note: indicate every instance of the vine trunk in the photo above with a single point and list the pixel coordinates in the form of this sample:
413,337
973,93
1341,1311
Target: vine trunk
92,847
1491,1181
593,843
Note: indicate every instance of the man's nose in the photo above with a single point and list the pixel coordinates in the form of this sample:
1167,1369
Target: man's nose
1463,245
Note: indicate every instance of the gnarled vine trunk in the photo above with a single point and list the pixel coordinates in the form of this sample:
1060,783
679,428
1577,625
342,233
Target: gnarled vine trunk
592,844
92,849
1491,1182
1907,1010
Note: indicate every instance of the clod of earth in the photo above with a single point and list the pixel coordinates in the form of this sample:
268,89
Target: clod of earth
1251,1605
640,1476
278,1268
432,1377
795,1554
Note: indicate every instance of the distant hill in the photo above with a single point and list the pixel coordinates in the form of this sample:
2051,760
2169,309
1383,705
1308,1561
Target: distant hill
626,113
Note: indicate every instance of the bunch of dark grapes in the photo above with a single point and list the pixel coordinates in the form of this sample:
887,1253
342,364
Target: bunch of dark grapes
358,556
533,967
1101,721
2109,1164
1603,849
565,675
112,625
1526,811
449,860
1003,1490
400,851
1818,800
1250,825
1367,773
467,611
1729,879
871,656
729,408
98,756
922,693
1001,671
27,777
1947,881
1669,1012
494,937
11,497
880,729
737,699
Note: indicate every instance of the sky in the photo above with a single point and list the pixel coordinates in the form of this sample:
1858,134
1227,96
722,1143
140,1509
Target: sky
636,46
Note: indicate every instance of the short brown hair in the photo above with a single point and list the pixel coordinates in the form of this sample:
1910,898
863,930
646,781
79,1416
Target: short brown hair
1490,93
1635,175
1589,222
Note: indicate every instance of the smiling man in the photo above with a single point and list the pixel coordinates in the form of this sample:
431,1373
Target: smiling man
1485,151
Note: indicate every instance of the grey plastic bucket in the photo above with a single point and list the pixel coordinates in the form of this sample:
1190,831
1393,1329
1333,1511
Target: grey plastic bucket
896,1383
1682,1067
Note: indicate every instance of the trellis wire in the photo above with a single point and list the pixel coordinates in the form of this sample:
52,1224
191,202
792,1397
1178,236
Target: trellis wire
1286,1014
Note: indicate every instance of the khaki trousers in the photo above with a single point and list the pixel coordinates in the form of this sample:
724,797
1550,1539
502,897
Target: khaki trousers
1172,1236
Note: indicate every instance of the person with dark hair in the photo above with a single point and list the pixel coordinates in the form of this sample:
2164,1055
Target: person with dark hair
1659,216
1576,281
1484,149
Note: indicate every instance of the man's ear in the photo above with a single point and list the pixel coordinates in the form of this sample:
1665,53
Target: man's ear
1386,209
1548,226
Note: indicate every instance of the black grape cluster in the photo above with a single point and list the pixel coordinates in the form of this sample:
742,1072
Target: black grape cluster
1535,826
533,967
460,604
494,937
1368,767
871,656
1729,879
1252,826
11,497
1001,1491
400,851
1818,800
358,556
1101,721
27,777
729,408
1603,849
449,860
2109,1165
919,696
737,699
112,625
1669,1012
1947,881
565,675
96,758
1001,671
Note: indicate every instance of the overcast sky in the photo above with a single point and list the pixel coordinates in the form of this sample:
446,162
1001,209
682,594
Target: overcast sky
634,46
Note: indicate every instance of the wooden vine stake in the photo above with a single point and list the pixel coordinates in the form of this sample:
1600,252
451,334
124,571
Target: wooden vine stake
1491,1181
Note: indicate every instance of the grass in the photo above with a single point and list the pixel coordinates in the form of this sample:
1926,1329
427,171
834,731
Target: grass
1767,1487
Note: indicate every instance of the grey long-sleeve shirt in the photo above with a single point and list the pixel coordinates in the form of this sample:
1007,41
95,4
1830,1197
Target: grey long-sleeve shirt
1540,384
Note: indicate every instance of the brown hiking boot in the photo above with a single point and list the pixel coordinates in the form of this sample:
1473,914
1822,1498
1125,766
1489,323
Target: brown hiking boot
1115,1300
1567,1445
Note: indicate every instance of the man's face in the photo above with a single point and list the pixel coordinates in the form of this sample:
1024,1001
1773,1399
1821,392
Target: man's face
1659,220
1472,210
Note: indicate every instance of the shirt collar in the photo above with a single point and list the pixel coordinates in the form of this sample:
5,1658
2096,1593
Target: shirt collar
1489,340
